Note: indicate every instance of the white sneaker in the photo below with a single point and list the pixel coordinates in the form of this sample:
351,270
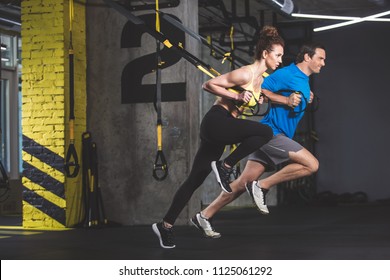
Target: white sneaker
258,196
204,225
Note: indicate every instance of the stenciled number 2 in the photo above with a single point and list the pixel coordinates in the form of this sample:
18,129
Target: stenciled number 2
133,91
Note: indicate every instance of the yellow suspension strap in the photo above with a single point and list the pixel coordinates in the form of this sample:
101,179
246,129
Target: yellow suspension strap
71,159
160,169
212,50
231,35
229,55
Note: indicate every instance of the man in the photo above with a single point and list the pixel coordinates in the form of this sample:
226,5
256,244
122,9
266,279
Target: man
286,112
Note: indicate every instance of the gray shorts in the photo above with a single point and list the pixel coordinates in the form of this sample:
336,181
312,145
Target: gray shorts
275,151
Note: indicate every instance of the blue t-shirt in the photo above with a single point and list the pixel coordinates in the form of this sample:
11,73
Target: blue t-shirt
281,118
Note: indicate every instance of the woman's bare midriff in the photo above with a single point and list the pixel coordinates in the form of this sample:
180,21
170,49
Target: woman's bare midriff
228,105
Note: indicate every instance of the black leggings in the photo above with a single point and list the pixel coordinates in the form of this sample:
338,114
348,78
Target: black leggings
218,129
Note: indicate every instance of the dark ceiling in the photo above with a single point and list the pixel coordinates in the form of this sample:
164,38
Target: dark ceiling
246,16
10,15
340,7
258,8
10,9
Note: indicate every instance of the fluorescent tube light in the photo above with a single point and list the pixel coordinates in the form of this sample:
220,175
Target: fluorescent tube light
327,27
10,21
335,17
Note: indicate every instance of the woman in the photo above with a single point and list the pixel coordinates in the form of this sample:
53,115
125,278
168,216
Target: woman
220,127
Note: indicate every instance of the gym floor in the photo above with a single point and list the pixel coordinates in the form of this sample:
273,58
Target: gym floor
300,232
348,232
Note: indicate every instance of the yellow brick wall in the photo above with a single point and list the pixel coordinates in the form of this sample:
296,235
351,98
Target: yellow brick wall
50,199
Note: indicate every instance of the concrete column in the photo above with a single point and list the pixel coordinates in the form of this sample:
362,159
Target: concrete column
125,133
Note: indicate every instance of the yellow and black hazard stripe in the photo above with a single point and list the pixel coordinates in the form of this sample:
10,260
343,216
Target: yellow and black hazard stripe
43,186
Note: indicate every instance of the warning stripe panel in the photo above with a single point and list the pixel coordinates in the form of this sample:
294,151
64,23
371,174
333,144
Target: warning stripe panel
43,187
44,206
43,179
43,154
43,167
49,196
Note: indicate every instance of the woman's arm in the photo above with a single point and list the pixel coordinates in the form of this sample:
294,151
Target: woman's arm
219,85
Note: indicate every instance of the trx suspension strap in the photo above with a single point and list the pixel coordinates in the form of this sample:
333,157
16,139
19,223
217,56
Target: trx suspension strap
229,55
212,51
71,159
160,169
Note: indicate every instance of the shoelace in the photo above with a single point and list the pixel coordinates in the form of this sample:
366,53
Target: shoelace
261,190
208,224
226,172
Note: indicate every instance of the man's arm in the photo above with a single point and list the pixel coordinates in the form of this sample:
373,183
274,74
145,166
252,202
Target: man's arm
292,101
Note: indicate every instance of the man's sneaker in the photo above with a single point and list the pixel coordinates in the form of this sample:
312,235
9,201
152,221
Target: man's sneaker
258,196
204,225
223,175
165,235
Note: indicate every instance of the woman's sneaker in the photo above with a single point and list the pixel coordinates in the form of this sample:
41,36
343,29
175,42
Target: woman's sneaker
222,173
204,225
258,196
165,235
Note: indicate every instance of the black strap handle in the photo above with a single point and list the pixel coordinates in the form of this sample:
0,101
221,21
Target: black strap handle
255,110
160,169
72,161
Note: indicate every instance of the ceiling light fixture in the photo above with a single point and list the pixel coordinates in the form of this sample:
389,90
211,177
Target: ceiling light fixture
327,27
286,7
